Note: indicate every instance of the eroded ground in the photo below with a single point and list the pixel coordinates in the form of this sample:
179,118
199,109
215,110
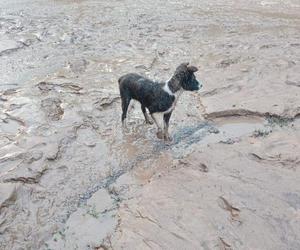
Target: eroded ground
72,178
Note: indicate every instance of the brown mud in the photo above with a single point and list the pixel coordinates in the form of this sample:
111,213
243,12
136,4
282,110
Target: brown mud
72,178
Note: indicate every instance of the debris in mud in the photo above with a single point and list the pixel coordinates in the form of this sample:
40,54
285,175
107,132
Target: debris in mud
261,132
213,130
227,62
141,67
102,247
191,163
234,212
52,108
230,141
280,121
292,83
291,162
224,245
203,167
268,46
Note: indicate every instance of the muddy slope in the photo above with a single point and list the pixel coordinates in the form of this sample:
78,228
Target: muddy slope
71,178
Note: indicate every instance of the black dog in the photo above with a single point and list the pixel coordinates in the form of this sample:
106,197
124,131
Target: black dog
158,98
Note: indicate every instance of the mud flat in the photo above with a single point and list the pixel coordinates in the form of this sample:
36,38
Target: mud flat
71,178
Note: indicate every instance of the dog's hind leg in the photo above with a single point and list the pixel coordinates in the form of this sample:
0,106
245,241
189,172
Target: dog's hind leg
157,117
166,126
147,118
125,103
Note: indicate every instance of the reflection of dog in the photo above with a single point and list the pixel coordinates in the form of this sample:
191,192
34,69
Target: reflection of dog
159,98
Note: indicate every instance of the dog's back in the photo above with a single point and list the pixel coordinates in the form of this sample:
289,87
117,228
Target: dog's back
137,87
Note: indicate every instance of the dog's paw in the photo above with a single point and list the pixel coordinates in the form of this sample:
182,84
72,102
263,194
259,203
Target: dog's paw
125,127
160,135
167,138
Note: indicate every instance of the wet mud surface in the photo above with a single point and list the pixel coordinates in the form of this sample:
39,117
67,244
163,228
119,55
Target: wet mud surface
72,178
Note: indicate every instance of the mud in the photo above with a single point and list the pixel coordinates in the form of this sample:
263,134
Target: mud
72,178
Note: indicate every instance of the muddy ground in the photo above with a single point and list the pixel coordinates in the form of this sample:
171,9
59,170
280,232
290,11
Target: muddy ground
72,178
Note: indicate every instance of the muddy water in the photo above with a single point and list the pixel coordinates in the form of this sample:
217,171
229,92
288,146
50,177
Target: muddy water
72,178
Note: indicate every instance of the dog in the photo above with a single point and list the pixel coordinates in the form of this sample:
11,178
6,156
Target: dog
159,98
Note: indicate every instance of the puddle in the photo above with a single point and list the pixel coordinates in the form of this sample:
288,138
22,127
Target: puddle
230,130
221,130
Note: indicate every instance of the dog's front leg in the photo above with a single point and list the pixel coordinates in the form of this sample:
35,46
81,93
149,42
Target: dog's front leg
166,126
157,118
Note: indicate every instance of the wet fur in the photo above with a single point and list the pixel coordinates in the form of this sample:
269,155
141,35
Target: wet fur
158,98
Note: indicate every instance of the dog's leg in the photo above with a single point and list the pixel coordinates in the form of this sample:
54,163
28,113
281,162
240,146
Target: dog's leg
125,103
147,118
166,126
157,118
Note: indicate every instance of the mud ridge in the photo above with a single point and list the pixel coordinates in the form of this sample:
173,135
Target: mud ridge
27,180
249,113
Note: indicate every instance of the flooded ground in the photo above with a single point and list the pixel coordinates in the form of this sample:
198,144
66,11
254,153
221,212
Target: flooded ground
72,178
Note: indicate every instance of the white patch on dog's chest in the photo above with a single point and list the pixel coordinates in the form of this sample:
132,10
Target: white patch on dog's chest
167,89
176,95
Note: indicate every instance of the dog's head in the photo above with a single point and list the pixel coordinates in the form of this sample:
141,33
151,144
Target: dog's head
185,76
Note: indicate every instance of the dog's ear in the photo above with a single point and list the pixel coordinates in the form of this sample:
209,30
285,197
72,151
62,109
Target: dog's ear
192,69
